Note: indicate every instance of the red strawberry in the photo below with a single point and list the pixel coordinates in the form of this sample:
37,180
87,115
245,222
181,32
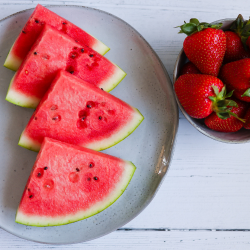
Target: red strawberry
231,124
189,68
200,95
239,94
205,45
235,49
236,74
247,118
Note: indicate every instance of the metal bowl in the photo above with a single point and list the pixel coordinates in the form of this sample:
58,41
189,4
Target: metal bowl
240,136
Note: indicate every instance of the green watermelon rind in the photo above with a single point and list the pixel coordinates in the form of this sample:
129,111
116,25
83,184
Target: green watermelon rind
25,101
20,99
28,143
26,220
11,62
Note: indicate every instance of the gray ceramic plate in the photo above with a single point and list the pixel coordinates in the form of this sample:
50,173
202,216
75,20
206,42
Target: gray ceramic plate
147,87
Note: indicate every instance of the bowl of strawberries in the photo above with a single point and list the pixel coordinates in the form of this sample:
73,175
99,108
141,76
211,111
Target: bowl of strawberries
212,78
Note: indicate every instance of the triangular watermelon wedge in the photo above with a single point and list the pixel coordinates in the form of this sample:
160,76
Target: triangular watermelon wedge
33,28
77,112
70,183
54,51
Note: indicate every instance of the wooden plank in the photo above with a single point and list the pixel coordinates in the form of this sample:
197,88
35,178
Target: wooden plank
145,240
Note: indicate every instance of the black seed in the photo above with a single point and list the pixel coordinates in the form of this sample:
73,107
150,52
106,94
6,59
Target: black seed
95,178
91,165
76,41
89,179
100,118
36,21
39,174
83,118
45,168
31,196
91,55
35,53
63,23
89,106
101,88
55,118
23,32
82,50
71,72
77,169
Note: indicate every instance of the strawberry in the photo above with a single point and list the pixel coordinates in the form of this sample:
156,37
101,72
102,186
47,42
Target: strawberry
189,68
240,95
232,123
234,49
200,95
236,74
205,45
247,118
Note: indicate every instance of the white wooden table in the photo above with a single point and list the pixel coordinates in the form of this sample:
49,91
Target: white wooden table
204,202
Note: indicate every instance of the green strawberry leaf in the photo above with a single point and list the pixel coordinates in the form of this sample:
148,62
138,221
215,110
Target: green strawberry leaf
195,21
229,94
216,90
236,116
246,93
223,116
188,28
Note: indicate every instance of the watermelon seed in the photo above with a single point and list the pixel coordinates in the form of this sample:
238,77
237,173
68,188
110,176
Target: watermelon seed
57,118
39,174
36,21
95,178
83,118
30,196
54,107
26,72
23,32
49,184
45,168
101,88
88,179
77,169
91,55
89,106
75,48
76,41
35,53
100,118
63,23
71,72
91,164
82,50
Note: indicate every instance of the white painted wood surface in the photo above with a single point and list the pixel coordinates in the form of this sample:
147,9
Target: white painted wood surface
204,201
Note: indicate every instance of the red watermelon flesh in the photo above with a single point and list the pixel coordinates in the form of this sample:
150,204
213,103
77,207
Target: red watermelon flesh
70,183
55,51
79,113
33,28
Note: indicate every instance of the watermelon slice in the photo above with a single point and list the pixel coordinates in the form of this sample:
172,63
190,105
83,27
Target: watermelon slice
69,183
33,28
53,51
77,112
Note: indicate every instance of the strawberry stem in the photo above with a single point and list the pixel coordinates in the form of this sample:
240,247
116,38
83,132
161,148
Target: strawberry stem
195,26
222,106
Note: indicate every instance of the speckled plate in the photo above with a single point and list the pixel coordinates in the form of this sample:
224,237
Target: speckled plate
147,87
